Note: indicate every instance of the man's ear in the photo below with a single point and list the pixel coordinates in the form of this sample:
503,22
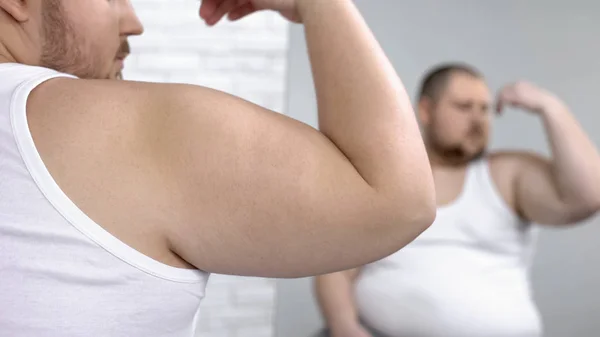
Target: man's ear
18,9
424,110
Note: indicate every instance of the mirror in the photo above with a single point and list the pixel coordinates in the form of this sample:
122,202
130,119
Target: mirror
554,45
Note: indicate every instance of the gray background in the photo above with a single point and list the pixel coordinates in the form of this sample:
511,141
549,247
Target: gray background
554,44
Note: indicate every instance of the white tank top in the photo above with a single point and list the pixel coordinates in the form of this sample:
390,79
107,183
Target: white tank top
466,276
61,274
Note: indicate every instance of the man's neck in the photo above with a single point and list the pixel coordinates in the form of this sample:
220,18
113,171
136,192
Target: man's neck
5,55
438,161
435,159
15,44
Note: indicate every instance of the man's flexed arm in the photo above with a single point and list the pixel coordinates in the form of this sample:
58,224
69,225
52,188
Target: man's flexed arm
260,194
566,188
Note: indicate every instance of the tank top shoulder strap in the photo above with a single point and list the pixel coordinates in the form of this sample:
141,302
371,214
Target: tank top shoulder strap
26,79
17,74
480,185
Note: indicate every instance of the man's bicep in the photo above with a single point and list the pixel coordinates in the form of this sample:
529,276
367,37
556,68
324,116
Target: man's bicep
256,191
537,196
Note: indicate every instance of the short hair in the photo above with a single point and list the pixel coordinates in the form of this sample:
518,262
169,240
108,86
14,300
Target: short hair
436,79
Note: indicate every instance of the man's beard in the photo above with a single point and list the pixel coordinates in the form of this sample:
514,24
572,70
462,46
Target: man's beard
454,154
61,48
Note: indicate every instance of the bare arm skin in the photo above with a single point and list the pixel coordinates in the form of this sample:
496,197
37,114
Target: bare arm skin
335,295
233,188
304,202
566,188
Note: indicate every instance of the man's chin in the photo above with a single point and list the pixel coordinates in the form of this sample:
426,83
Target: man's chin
477,155
461,156
115,75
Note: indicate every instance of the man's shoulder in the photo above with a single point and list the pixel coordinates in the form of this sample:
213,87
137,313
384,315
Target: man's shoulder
513,159
66,93
115,104
507,165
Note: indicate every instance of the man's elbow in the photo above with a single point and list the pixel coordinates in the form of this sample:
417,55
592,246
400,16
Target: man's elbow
417,209
585,200
587,209
425,204
593,203
427,212
405,223
579,211
430,215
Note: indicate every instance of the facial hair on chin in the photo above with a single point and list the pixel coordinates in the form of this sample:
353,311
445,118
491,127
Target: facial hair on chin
455,154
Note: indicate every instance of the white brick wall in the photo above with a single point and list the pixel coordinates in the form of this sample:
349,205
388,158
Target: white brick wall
247,59
238,307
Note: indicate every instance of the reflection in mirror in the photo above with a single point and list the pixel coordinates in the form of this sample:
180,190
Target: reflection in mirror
504,256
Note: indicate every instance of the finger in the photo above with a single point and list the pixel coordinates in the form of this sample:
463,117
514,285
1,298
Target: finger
499,103
504,99
509,101
224,8
242,11
500,106
221,9
208,7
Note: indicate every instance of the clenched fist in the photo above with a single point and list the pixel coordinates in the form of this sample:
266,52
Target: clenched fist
526,96
212,11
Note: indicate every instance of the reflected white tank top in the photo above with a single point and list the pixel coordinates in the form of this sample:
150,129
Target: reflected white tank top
466,276
61,274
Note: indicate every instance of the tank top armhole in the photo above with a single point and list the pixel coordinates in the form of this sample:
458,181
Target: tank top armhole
492,192
63,204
